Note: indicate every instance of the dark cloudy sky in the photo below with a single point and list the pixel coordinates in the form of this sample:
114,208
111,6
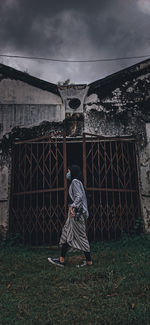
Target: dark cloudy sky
74,30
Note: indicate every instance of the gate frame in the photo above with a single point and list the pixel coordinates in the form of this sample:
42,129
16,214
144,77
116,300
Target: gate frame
53,135
83,140
100,138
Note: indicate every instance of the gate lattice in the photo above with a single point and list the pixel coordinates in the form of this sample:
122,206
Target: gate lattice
38,206
38,199
110,179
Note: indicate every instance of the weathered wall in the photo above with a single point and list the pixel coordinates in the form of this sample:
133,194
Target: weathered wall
24,105
19,92
73,98
5,183
12,116
117,107
26,111
144,170
120,106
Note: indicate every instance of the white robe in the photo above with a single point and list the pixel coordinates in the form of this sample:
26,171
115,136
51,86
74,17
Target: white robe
74,232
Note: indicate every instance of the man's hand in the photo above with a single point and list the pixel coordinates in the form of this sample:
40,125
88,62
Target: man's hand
71,212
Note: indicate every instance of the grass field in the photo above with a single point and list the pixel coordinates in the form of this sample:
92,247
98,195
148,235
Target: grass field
115,290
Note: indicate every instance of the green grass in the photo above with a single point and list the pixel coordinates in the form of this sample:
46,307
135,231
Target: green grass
115,290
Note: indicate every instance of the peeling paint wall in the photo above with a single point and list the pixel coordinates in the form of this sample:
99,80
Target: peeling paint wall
116,108
121,110
73,97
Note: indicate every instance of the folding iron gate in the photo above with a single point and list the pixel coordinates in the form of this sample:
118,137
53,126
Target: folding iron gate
38,196
110,179
38,206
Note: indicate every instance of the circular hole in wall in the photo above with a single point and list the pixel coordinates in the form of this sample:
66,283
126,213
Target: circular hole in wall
74,103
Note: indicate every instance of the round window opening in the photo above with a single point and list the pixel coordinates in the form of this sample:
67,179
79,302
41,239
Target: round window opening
74,103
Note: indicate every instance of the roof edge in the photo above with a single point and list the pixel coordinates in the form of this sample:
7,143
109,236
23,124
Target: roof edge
12,73
131,69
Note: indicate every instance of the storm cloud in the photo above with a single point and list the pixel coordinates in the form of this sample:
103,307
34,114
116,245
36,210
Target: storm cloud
74,30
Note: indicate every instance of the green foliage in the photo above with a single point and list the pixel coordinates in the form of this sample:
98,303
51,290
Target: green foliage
10,240
139,226
64,83
115,290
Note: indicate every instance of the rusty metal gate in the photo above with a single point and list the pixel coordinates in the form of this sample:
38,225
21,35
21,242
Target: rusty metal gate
38,205
110,180
38,196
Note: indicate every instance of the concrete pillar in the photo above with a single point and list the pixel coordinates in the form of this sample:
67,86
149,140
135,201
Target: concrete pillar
4,196
145,179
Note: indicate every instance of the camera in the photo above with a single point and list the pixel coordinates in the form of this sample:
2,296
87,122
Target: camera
78,213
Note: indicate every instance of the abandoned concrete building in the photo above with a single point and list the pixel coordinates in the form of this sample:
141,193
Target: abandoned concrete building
104,127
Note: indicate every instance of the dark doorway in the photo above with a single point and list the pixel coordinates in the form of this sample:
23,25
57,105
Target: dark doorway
74,154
